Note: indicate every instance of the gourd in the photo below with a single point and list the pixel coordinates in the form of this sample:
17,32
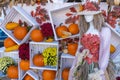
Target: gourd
11,25
62,31
15,47
49,40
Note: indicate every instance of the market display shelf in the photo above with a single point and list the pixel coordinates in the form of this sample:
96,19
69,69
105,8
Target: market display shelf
57,16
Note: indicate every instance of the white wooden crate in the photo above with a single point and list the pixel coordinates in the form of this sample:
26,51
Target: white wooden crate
16,14
118,34
32,74
115,40
66,62
13,54
57,16
36,47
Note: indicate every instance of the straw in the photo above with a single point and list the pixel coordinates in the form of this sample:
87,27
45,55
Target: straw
82,71
111,71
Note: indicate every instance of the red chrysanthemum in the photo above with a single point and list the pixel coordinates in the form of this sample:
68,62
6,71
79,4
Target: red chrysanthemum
24,51
47,30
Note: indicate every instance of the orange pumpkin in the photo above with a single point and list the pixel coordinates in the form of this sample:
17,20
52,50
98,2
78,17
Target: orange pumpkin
24,65
60,29
73,28
28,77
12,72
65,73
20,32
72,48
8,42
38,60
36,35
48,75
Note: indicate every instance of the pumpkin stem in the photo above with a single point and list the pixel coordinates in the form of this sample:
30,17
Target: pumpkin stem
61,24
25,24
73,22
28,28
39,52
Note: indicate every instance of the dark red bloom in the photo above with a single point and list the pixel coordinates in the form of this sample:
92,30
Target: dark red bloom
47,30
118,78
24,51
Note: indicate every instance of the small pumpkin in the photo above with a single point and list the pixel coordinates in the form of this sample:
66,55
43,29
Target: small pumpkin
28,77
12,72
38,60
65,73
73,28
48,75
60,29
8,42
20,32
112,49
36,35
24,65
72,48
